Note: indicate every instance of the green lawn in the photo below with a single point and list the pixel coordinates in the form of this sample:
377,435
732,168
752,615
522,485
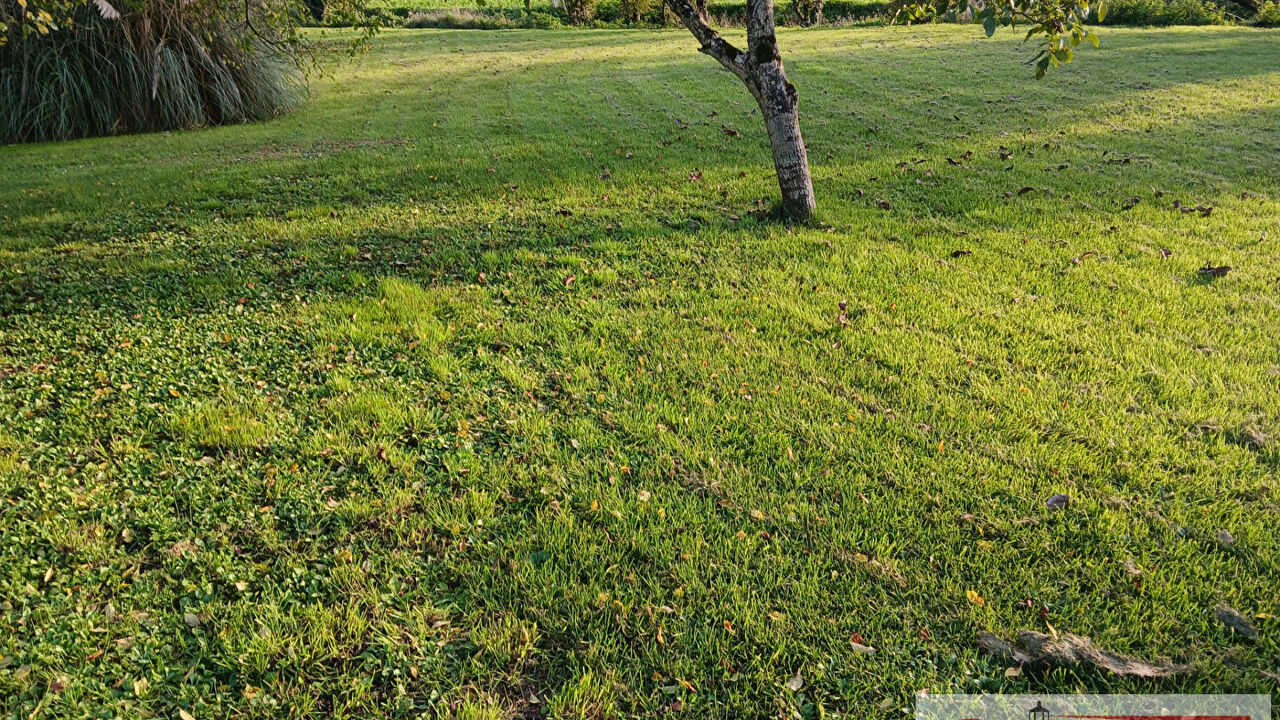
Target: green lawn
479,388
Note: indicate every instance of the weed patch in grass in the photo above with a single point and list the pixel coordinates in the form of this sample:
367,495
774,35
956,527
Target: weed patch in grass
237,423
403,316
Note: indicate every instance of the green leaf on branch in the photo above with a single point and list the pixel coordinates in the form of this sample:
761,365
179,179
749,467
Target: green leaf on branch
1060,23
1042,66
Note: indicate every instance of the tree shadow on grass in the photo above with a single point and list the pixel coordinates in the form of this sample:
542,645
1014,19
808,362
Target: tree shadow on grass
303,237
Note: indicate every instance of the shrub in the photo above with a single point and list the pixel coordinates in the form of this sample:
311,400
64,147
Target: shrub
457,20
635,10
157,65
315,8
1268,15
349,15
543,21
580,11
808,12
1164,12
481,19
489,19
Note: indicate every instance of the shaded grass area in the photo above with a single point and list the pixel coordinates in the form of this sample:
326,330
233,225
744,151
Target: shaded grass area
477,389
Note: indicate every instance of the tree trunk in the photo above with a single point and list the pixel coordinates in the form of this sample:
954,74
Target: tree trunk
760,68
780,106
808,12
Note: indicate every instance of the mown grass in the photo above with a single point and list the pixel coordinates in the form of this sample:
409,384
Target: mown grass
476,389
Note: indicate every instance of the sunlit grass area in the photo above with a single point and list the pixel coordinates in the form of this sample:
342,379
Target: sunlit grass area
488,385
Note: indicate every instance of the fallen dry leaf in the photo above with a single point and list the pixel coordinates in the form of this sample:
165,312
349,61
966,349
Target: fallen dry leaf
861,649
796,683
1238,623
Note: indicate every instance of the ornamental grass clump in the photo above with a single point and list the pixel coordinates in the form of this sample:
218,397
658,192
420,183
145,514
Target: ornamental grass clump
70,70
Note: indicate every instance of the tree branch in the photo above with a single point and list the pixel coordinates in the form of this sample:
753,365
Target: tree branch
712,44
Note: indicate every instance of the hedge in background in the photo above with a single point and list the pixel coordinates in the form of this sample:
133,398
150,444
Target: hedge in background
1166,12
620,13
1268,15
497,14
104,68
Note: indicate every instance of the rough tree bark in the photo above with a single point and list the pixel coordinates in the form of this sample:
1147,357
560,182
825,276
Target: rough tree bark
760,68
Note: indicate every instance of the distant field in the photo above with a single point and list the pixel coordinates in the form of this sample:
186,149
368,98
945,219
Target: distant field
486,386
